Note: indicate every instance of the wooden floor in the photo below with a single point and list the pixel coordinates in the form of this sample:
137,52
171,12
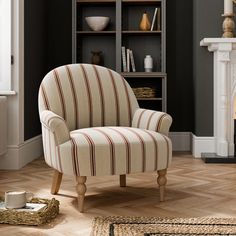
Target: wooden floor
194,189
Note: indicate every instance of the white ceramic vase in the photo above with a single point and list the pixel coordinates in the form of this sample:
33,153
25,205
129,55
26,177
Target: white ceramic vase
148,63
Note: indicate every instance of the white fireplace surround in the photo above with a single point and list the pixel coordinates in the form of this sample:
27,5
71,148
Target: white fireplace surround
224,50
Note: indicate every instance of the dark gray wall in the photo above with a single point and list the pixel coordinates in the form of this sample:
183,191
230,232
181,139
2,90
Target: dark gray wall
180,102
207,23
47,45
59,38
35,62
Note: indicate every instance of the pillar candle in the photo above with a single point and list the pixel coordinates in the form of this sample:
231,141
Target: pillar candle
228,6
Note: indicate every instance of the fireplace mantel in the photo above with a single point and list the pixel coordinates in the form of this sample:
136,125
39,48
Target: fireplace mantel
224,50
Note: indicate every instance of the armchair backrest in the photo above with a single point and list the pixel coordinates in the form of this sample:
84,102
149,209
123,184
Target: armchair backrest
87,96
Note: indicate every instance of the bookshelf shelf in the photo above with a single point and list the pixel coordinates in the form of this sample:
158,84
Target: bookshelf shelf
142,2
95,2
149,99
144,74
96,32
123,31
141,32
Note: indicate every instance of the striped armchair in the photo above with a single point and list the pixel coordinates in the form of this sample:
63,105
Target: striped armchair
92,126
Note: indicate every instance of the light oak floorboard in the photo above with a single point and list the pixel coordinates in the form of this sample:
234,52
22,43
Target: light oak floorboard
193,189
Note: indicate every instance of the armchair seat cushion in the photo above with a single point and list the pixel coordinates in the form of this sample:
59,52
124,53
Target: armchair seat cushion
101,151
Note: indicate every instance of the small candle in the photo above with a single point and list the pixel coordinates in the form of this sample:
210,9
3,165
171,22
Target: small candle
228,6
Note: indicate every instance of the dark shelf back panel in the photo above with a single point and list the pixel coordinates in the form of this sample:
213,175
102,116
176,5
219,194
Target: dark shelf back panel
104,43
152,105
142,46
97,10
132,15
147,82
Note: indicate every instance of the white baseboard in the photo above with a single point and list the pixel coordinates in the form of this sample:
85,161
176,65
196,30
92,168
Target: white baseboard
202,144
181,141
18,156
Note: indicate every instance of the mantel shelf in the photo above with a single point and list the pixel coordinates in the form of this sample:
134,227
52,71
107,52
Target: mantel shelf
143,74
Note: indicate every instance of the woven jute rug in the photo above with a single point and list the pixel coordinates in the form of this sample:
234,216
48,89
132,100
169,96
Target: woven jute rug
154,226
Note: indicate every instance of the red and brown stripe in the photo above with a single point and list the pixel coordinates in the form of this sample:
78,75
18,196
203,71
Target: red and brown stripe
49,143
149,119
112,150
57,150
89,95
75,157
128,100
60,92
140,117
159,123
44,129
72,86
116,98
101,92
45,98
156,147
128,149
142,142
59,158
92,153
168,150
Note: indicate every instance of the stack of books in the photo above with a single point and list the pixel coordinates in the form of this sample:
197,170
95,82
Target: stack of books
127,60
156,19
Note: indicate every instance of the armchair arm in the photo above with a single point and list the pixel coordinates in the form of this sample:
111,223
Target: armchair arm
152,120
55,124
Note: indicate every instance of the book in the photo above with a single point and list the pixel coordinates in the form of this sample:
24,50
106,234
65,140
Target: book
128,59
124,59
159,19
132,61
154,19
30,207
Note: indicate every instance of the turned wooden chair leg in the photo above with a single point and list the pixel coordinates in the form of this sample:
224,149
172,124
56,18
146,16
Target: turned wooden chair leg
122,180
161,180
81,189
56,182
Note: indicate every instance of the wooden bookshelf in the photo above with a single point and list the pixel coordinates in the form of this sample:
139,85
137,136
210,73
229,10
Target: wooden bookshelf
123,30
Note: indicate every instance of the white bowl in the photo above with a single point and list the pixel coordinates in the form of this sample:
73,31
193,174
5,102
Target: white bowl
97,23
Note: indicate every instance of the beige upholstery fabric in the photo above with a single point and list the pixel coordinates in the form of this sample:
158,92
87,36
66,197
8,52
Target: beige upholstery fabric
92,125
112,151
152,120
87,96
